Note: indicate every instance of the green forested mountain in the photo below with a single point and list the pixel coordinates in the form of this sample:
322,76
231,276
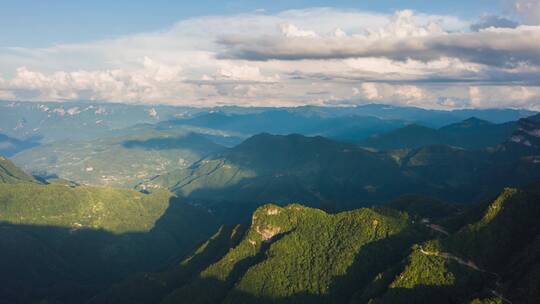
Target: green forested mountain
495,257
472,133
295,254
336,176
62,243
124,160
281,169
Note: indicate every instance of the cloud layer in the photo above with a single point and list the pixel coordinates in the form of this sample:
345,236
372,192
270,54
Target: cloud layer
312,56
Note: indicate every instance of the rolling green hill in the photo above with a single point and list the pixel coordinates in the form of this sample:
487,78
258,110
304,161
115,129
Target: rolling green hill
62,242
295,254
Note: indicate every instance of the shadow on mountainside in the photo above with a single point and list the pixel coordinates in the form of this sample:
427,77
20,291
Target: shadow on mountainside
189,141
71,264
454,182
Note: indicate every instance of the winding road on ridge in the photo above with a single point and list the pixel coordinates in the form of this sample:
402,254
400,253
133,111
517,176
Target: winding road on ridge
461,261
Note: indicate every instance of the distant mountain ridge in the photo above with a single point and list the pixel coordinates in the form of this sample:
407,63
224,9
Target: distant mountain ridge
52,121
472,133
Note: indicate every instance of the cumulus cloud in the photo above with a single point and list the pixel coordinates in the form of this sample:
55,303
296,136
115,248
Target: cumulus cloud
400,40
316,56
504,96
290,30
396,94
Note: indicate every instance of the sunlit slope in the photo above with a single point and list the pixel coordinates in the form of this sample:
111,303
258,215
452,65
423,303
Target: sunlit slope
493,259
63,242
288,254
110,209
295,254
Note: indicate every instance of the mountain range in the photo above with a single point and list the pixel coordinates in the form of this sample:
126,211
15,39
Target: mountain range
366,204
293,254
329,174
472,133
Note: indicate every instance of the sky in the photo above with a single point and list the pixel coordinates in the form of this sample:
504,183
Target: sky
432,54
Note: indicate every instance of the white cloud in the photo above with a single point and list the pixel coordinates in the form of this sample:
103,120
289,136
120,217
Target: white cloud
396,94
291,30
504,96
311,56
370,91
400,40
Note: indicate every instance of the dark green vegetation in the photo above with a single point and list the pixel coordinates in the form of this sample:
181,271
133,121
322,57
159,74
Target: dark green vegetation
62,242
495,257
336,176
295,254
123,161
472,133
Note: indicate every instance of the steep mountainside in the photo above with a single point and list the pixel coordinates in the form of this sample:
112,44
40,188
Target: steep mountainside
494,258
123,161
10,174
64,243
289,254
472,133
527,135
333,175
285,168
296,254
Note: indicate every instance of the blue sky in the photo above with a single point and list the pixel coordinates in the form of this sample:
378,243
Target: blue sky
434,54
40,23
